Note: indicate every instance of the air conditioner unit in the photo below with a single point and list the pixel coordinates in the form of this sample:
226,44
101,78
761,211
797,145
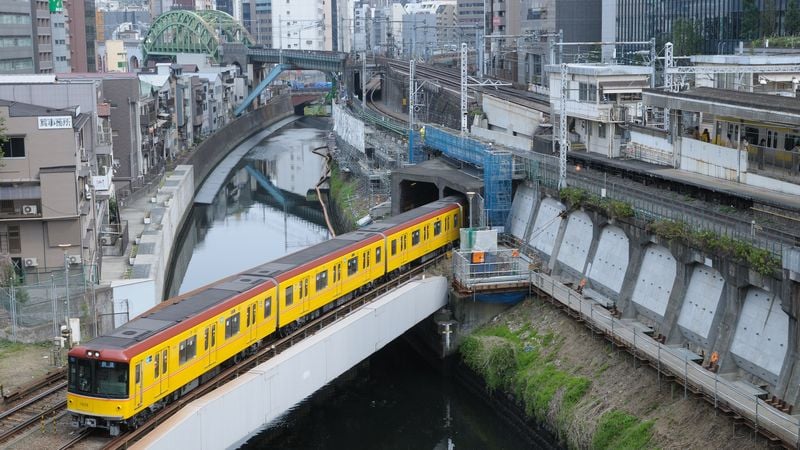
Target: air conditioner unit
106,240
30,262
74,259
29,209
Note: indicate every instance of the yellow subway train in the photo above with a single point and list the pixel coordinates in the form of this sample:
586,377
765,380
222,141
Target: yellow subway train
116,381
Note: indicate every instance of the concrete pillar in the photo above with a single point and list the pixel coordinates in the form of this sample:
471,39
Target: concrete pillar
668,326
789,381
600,222
636,250
551,264
734,296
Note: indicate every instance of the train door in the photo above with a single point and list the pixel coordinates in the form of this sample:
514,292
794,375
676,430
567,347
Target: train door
253,327
212,346
304,294
165,370
137,382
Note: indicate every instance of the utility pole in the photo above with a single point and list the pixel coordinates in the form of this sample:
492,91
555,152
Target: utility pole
464,88
562,131
412,92
364,79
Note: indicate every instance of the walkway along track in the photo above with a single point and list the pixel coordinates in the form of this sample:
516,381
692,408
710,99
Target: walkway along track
266,353
778,427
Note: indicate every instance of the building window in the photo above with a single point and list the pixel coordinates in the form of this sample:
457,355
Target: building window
601,130
14,239
13,147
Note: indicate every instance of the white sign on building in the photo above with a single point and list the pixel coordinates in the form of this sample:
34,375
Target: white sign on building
55,122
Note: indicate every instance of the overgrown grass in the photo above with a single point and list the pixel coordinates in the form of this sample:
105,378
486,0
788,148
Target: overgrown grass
759,259
521,362
620,430
7,347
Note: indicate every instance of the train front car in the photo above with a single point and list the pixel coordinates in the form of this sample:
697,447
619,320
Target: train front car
98,393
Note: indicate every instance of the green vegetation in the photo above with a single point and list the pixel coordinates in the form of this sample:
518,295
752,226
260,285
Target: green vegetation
779,41
7,347
523,363
792,21
686,37
760,260
751,17
618,429
576,197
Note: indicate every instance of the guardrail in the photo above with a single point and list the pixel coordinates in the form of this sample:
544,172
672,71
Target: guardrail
762,417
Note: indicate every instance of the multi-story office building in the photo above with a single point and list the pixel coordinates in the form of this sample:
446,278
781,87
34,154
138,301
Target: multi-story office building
82,31
26,44
257,18
300,24
61,42
708,26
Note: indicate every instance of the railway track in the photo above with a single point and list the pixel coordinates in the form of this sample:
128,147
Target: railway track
46,403
267,351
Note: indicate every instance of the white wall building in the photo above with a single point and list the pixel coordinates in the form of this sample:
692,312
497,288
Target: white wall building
600,99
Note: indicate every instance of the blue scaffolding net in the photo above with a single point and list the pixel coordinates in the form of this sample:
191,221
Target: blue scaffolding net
497,168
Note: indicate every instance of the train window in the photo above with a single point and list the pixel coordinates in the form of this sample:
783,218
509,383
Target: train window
155,366
455,220
437,228
394,247
247,318
378,255
187,350
205,339
322,280
267,307
232,326
164,361
415,238
255,308
305,288
213,335
138,376
289,296
352,266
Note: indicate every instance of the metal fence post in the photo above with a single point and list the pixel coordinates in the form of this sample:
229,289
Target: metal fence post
685,377
658,370
634,348
13,312
716,379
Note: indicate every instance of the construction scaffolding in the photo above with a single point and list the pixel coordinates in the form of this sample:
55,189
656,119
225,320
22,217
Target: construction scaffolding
497,168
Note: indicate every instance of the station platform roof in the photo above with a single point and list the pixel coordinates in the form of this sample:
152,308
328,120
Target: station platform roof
746,106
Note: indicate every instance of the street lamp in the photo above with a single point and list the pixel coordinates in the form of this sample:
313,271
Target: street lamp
66,276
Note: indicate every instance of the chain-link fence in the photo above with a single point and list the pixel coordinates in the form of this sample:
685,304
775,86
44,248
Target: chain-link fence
35,311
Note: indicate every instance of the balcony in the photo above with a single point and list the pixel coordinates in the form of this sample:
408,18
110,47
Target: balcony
21,209
104,142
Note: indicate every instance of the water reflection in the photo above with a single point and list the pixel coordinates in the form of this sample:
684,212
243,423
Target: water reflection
247,224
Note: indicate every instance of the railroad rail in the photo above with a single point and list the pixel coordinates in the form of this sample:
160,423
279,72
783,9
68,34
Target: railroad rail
44,405
54,376
80,437
450,78
266,352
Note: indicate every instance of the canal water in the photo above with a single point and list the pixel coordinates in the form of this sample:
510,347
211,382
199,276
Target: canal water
394,400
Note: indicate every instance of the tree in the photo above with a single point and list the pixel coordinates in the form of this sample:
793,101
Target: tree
686,38
750,19
792,18
768,16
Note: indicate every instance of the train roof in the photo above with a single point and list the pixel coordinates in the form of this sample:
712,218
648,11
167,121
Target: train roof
332,248
172,312
419,213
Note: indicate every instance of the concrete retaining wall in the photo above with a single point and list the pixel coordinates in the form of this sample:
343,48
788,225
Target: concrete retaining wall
703,302
211,151
228,416
172,203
